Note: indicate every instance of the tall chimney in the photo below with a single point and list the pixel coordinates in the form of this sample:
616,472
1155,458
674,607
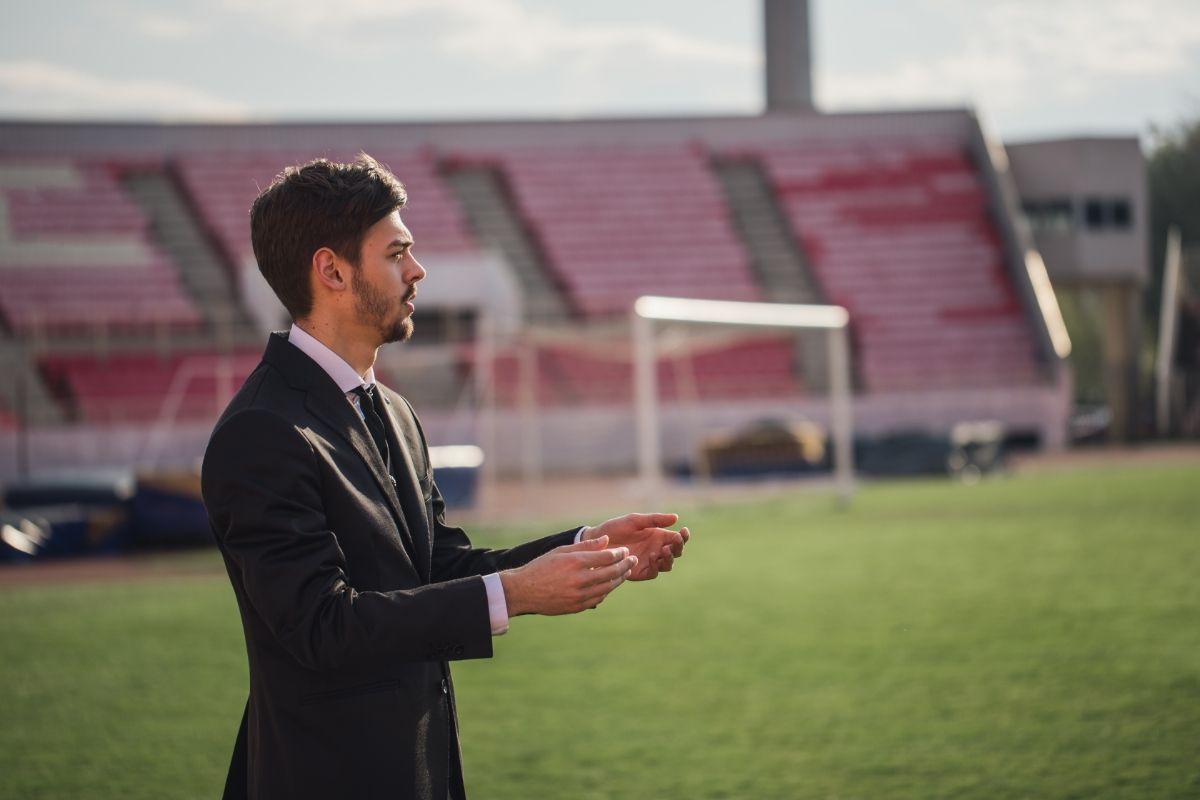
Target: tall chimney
788,55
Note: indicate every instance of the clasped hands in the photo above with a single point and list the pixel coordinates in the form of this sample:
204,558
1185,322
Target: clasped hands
579,576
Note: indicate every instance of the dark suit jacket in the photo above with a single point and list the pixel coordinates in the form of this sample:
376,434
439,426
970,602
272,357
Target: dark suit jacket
353,591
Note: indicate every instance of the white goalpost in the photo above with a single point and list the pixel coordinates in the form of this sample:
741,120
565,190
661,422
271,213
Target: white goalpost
649,310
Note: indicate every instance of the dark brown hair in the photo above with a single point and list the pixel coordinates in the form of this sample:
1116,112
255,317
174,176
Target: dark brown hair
319,204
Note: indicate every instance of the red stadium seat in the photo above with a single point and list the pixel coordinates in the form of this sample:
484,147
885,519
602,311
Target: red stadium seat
901,234
133,387
618,222
224,184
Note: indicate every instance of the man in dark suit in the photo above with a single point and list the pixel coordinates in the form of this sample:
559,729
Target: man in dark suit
354,593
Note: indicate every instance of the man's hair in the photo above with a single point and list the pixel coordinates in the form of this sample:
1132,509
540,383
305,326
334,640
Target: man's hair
319,204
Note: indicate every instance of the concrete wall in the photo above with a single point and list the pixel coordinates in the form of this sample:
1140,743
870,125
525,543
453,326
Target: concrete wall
573,440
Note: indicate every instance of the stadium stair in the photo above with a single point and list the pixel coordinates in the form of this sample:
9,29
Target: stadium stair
616,222
775,256
202,271
496,223
39,406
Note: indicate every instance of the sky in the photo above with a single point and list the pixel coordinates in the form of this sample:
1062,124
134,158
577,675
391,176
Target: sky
1031,68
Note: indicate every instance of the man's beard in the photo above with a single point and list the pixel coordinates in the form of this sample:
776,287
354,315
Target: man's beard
372,306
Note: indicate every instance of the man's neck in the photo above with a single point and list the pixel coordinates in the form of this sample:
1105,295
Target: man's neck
359,355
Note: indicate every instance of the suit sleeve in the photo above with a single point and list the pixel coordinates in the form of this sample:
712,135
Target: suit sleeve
262,486
455,558
453,555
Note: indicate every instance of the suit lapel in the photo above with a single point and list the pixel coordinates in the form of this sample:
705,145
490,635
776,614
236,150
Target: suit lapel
327,402
408,487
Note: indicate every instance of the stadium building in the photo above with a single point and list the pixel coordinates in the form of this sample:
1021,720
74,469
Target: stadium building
131,307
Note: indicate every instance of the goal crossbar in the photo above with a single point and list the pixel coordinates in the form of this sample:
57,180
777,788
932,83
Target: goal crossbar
649,310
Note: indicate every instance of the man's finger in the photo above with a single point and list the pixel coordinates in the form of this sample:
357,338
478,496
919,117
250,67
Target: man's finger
602,575
656,520
584,545
666,560
601,558
684,535
595,593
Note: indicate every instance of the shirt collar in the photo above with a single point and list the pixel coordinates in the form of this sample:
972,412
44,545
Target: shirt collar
334,365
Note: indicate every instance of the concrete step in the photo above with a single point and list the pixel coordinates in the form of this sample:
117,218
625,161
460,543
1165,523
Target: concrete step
202,270
776,257
496,224
22,391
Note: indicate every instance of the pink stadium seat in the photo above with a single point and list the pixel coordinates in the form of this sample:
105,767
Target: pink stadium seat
97,205
60,299
900,233
134,387
90,206
618,222
224,184
759,368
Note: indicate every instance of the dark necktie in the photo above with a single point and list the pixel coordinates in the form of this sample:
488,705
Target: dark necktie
368,402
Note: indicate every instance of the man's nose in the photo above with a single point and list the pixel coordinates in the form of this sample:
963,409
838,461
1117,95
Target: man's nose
416,271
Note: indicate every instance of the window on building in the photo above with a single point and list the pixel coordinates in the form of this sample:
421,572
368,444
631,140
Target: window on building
1122,214
1055,215
1108,213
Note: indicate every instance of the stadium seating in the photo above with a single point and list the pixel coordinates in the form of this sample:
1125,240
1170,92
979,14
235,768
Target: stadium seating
900,233
572,376
134,387
57,299
78,252
618,222
897,230
223,185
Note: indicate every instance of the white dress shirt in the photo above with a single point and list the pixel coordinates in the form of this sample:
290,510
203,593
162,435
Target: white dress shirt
348,380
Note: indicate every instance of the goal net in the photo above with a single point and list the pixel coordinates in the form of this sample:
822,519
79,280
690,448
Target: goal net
650,314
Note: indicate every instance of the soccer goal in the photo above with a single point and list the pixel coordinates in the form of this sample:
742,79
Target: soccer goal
649,311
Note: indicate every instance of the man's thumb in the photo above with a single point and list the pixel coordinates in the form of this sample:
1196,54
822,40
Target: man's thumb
599,543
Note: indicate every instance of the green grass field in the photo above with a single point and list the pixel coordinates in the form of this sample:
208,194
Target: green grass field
1030,637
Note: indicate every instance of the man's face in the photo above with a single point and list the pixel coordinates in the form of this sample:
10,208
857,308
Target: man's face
385,281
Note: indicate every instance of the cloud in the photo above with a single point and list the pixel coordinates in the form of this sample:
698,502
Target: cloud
508,32
31,88
952,79
1115,39
500,33
1013,44
162,26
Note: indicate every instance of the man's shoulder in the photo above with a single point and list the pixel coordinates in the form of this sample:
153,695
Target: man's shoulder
264,399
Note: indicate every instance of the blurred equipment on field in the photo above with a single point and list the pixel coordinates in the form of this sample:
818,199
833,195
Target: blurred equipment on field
89,512
968,451
766,447
456,470
67,514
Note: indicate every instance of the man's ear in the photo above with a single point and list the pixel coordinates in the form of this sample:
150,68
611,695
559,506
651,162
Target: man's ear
329,271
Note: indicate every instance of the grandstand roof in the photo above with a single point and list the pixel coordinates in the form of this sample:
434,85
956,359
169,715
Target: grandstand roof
153,137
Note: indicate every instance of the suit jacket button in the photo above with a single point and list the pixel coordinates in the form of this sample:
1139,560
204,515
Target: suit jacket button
393,479
445,687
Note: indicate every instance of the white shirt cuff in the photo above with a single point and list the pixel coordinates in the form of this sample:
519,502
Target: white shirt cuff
497,607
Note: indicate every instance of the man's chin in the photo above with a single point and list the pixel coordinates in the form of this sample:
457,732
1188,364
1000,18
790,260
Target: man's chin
401,332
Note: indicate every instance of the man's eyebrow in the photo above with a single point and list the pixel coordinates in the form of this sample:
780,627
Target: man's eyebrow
400,243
